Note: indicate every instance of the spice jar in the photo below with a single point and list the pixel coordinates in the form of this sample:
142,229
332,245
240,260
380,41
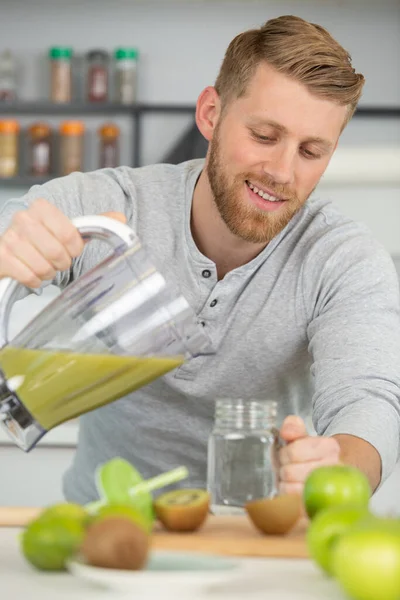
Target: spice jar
61,74
8,77
40,148
97,76
109,145
242,454
71,146
9,135
126,74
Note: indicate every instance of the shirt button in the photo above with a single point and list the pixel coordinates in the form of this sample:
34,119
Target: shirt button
206,273
213,303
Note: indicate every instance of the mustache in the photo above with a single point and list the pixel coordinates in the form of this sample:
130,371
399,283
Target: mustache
268,182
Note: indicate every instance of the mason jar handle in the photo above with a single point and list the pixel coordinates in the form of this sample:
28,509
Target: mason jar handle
95,227
277,444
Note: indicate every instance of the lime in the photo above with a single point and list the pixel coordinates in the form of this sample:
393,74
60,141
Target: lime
334,486
326,527
72,511
48,542
127,511
366,562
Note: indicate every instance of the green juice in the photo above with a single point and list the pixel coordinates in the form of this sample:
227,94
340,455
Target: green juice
57,386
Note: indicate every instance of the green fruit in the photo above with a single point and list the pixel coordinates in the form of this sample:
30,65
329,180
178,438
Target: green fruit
335,486
72,511
366,562
115,479
126,511
325,529
47,543
143,501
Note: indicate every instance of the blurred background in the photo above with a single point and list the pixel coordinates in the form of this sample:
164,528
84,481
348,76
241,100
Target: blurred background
96,83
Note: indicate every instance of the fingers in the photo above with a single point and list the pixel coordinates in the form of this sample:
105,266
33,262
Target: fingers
39,242
310,449
18,270
26,253
116,215
59,227
298,472
302,454
293,428
290,488
33,243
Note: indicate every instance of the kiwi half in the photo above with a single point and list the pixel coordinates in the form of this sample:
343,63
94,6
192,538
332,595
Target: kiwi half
182,510
116,543
275,516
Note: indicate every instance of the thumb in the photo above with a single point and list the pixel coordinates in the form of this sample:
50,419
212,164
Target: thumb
293,428
118,216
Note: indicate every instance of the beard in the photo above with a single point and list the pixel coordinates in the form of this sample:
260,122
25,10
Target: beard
242,218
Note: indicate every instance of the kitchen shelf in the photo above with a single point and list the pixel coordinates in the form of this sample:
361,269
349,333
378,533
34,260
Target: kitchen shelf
76,108
85,108
136,113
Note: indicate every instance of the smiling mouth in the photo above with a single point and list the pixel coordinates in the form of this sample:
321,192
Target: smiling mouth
263,194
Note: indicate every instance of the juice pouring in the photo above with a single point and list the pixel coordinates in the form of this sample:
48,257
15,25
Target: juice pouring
56,386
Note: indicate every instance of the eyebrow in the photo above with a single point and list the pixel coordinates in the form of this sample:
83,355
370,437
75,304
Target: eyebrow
257,122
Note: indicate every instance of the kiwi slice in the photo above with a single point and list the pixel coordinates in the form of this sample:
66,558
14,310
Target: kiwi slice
182,510
275,516
116,543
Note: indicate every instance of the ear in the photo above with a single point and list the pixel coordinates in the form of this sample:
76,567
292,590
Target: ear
207,112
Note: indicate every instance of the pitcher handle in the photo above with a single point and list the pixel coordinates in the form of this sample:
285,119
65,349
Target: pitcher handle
118,235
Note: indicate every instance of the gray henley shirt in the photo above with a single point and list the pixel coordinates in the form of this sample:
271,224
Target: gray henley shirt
312,322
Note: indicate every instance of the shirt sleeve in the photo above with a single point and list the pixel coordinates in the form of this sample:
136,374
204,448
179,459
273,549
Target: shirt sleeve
351,295
76,195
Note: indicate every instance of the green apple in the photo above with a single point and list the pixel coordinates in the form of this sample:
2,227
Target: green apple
325,529
335,486
366,562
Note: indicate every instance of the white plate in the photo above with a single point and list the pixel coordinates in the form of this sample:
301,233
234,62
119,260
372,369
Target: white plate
165,569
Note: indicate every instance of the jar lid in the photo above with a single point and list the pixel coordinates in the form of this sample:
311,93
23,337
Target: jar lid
123,53
72,128
40,129
97,55
60,52
9,126
109,130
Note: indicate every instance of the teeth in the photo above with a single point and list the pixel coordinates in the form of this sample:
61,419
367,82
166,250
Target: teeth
262,194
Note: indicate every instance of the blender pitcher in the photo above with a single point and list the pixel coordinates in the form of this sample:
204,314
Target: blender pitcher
116,328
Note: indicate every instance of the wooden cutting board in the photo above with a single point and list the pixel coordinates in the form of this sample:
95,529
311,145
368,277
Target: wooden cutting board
228,536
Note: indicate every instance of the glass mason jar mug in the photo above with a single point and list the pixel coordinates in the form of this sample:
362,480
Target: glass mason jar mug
242,454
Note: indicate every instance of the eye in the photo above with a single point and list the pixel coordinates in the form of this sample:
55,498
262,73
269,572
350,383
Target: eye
310,155
263,139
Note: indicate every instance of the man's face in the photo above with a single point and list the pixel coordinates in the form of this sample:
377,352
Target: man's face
277,140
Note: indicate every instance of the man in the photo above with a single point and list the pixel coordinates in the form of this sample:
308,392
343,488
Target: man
300,303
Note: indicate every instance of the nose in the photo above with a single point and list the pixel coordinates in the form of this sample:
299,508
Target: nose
281,164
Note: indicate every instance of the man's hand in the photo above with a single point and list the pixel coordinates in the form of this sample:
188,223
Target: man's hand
39,242
302,454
